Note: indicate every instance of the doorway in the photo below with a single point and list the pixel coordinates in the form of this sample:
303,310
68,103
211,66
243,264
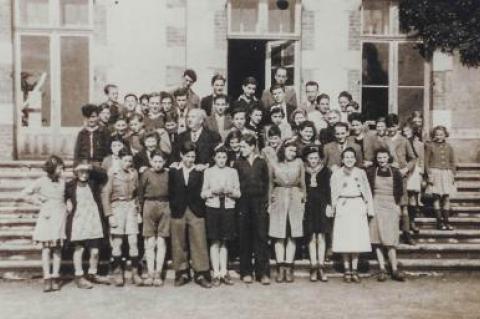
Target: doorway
246,58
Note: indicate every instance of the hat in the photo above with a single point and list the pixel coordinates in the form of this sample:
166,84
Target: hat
311,148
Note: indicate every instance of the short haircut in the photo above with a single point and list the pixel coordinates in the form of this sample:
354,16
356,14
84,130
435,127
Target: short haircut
117,138
249,80
341,124
274,110
309,149
439,128
200,112
144,96
191,74
106,88
233,134
381,119
256,107
238,109
135,116
180,92
158,153
353,104
312,83
217,77
274,130
391,120
345,94
187,147
356,117
250,139
129,95
165,95
121,118
154,94
280,68
89,109
281,151
322,96
348,149
220,149
220,97
124,152
150,134
276,87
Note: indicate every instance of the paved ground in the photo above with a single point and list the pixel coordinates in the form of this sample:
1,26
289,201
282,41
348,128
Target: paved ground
451,297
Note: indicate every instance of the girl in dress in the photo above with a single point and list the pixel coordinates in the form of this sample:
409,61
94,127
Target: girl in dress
274,141
49,192
221,187
440,165
386,184
352,204
316,223
415,178
287,207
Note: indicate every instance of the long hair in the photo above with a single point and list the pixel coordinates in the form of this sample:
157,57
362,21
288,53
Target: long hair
283,147
51,165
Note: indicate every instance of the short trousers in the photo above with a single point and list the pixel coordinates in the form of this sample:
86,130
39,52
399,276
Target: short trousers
156,218
125,214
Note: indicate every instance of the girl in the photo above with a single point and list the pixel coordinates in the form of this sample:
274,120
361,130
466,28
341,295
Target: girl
286,206
297,118
49,193
317,116
306,134
386,184
239,120
351,205
276,117
316,223
232,143
221,187
440,165
415,178
417,122
274,141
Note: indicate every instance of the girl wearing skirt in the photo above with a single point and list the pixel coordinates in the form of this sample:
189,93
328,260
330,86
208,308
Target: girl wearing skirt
316,223
287,205
49,193
221,187
387,188
352,204
440,165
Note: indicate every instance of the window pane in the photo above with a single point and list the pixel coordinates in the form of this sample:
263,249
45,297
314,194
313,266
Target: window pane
374,102
409,100
376,17
74,78
281,21
244,16
283,55
375,63
35,80
33,12
74,12
410,65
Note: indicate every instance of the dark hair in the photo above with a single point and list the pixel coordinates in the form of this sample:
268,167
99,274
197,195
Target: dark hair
217,77
191,74
220,97
275,110
382,149
187,147
349,149
391,120
137,116
250,139
233,134
165,95
89,109
106,88
121,118
130,94
283,147
355,116
124,152
353,104
117,138
171,117
309,149
274,130
322,96
306,124
276,87
341,124
220,149
238,109
144,96
345,94
149,134
311,83
439,128
154,94
249,80
158,153
381,119
180,92
50,166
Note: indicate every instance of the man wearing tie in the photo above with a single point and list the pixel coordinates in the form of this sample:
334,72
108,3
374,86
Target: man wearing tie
333,150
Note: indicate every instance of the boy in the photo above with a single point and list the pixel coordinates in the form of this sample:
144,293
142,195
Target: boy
93,142
327,134
189,78
188,212
131,104
153,198
219,121
247,99
311,93
218,86
155,118
151,142
136,133
166,102
120,207
280,78
182,109
278,93
239,120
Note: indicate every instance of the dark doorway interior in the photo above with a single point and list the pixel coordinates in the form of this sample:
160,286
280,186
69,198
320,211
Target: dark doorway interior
245,58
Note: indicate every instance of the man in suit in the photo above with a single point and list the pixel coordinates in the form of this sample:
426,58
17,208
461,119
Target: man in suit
219,121
187,220
204,139
218,85
333,151
280,79
278,93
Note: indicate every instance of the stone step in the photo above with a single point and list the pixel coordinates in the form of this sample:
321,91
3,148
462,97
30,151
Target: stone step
462,197
8,223
468,186
468,166
439,251
457,222
467,176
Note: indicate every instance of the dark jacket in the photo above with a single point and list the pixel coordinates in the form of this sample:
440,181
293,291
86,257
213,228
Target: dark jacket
101,145
397,182
254,179
183,196
141,159
207,104
327,135
206,143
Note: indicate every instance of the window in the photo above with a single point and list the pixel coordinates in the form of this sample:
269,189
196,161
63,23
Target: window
53,60
262,19
393,71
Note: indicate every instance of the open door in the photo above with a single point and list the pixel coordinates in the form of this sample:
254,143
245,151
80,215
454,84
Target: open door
285,53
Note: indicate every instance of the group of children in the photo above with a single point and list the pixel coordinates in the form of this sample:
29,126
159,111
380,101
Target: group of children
198,175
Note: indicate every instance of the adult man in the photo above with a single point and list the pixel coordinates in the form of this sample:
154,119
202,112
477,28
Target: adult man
218,121
181,101
116,109
218,86
189,78
281,80
333,151
311,92
279,100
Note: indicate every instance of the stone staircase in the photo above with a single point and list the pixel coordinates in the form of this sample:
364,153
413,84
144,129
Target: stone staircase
456,250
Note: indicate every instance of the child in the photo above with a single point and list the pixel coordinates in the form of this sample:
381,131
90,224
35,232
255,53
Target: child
181,100
276,117
247,100
113,160
120,207
232,143
86,221
274,141
352,204
441,166
286,207
239,120
252,215
136,133
386,184
120,130
93,142
255,124
316,224
49,193
221,187
188,223
155,118
153,199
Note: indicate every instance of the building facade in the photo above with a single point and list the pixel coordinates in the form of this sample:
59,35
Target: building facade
56,55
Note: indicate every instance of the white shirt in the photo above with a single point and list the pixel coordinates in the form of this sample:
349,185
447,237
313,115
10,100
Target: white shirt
186,172
194,136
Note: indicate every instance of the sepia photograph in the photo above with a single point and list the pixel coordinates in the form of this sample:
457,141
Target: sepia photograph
240,159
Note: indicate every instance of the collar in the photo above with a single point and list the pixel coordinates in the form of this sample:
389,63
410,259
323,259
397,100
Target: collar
183,167
91,129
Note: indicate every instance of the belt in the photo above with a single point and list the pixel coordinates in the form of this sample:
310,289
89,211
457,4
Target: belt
122,199
350,196
158,198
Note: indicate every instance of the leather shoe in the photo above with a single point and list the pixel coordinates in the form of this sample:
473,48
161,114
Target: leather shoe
180,281
203,282
265,280
398,276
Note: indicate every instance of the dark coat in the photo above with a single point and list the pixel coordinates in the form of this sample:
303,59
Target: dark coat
397,182
183,196
207,104
101,145
206,143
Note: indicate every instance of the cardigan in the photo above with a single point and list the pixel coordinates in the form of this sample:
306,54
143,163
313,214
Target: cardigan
440,155
215,178
254,179
92,145
121,185
397,182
